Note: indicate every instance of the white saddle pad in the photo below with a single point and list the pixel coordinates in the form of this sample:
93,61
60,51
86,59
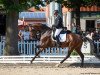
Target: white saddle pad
62,37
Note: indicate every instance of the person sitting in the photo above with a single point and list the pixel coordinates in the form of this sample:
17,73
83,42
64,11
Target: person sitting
58,24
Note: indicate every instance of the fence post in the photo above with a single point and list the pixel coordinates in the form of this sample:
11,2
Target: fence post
97,47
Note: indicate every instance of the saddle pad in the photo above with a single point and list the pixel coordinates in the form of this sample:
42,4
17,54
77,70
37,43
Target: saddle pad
62,37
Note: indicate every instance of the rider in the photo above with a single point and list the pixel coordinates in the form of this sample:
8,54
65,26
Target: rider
58,24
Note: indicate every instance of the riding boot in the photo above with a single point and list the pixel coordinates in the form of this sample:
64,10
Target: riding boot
58,42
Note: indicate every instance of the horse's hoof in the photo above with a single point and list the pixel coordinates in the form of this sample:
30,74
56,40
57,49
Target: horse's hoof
57,65
81,66
38,56
30,62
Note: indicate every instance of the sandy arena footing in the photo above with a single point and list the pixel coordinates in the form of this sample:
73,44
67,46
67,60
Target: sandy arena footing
49,69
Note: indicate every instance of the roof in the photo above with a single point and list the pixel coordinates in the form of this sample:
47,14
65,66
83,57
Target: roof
32,15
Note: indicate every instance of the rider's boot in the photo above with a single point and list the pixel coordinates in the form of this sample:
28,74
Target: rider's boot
58,42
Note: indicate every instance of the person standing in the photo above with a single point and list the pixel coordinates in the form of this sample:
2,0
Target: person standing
20,34
26,39
26,34
73,28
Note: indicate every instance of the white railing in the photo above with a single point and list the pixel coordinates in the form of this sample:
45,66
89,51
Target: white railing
47,59
97,43
29,48
2,44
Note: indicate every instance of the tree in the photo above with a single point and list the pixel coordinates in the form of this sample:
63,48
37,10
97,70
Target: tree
12,8
76,4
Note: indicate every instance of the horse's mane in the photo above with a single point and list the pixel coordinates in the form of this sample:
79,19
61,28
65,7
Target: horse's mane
46,27
68,32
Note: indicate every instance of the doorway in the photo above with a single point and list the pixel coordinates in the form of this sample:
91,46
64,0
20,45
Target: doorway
90,25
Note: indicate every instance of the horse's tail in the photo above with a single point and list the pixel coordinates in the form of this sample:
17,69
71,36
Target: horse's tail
93,47
92,44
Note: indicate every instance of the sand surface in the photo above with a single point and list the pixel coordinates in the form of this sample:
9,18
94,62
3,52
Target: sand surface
49,69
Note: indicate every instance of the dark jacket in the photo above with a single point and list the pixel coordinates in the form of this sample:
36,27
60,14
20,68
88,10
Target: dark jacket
58,22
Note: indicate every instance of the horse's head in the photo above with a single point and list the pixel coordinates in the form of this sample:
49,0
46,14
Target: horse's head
38,30
36,34
45,39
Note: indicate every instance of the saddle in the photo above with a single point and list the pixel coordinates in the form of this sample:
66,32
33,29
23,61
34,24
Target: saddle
62,35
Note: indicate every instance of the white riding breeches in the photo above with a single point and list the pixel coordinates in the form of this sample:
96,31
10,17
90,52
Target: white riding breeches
57,32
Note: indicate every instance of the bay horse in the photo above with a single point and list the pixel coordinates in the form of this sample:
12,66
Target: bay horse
73,42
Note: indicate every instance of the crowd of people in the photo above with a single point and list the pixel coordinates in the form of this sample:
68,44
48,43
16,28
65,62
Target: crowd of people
26,34
93,34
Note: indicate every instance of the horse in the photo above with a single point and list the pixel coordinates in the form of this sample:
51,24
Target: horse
73,42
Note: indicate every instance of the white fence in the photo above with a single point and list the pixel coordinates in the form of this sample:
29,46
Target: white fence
97,43
47,59
29,48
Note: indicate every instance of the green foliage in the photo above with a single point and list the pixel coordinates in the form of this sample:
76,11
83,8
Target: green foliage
74,53
20,5
97,2
76,3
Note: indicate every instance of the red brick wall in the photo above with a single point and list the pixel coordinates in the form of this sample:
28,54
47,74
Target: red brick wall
93,8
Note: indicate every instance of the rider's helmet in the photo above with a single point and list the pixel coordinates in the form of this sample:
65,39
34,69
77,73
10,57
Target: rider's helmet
56,12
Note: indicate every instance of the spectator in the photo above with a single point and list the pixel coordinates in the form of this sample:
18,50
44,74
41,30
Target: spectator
73,28
89,35
20,34
31,29
96,36
99,35
78,29
26,34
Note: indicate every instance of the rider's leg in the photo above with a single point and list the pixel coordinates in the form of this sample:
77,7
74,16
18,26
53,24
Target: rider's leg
57,32
58,41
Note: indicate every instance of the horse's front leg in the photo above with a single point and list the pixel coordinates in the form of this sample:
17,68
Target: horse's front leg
36,55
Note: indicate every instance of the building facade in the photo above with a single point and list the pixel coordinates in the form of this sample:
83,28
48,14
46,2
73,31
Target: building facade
89,16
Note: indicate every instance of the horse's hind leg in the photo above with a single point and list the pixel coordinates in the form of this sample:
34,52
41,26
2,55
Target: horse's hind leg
67,56
81,55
